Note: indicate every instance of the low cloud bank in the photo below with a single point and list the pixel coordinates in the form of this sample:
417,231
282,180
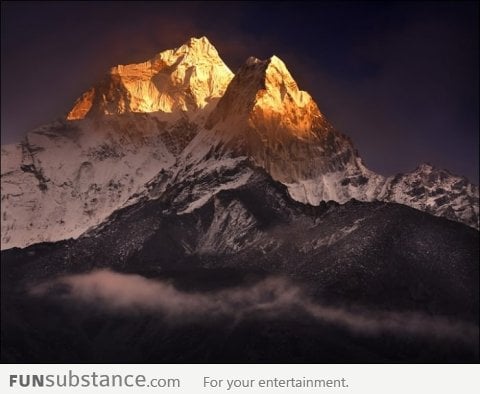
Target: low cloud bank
271,296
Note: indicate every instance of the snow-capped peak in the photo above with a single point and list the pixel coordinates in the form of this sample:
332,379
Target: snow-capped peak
437,191
187,78
264,93
265,116
68,176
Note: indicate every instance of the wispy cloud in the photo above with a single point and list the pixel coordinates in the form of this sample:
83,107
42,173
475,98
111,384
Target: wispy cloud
272,296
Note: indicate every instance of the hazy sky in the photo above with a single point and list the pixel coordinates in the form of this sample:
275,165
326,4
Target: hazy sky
401,79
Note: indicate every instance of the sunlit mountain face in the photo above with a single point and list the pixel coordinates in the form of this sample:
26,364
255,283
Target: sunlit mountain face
185,79
184,213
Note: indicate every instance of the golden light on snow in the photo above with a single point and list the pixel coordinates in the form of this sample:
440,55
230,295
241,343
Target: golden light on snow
175,80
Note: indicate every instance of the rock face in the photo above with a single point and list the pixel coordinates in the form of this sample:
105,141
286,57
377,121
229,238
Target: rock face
182,116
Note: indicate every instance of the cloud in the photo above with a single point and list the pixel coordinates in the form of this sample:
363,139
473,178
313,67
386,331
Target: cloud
271,296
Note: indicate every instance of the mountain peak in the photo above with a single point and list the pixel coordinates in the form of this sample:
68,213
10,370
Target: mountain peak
425,167
200,49
182,79
265,92
264,115
200,42
275,61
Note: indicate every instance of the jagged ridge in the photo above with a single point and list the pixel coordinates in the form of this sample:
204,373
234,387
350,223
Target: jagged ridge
181,115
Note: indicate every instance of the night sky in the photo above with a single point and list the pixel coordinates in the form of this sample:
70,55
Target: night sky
400,79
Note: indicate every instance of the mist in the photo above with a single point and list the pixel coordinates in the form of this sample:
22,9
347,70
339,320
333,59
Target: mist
273,296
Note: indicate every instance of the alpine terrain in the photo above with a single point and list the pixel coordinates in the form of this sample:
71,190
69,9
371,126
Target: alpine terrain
183,213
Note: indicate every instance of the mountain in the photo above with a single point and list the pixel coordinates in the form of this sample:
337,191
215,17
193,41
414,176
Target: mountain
186,79
257,226
69,175
250,276
282,129
180,213
182,109
435,191
265,116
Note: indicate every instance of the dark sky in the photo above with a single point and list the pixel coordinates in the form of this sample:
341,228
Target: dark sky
401,79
